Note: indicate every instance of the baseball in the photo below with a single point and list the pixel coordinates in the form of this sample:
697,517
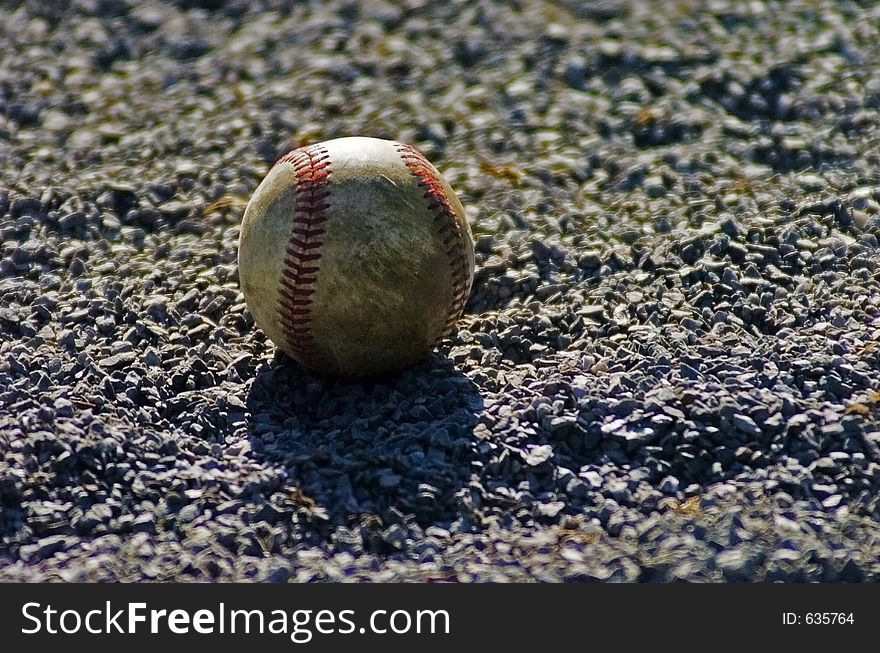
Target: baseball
355,257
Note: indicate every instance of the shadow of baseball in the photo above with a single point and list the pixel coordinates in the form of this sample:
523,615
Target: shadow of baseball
369,459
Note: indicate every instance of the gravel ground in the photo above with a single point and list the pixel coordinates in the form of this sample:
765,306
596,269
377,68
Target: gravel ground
668,365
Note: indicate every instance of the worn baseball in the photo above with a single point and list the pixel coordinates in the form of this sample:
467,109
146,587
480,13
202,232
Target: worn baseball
355,257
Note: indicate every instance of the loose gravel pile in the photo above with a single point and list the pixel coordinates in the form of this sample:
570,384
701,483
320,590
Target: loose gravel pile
668,368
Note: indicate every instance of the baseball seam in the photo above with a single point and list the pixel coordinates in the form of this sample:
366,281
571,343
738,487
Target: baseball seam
447,226
299,274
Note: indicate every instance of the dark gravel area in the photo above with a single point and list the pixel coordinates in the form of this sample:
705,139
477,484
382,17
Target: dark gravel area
668,367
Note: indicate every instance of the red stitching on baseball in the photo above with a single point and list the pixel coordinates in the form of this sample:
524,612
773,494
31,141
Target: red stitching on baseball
300,271
449,228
